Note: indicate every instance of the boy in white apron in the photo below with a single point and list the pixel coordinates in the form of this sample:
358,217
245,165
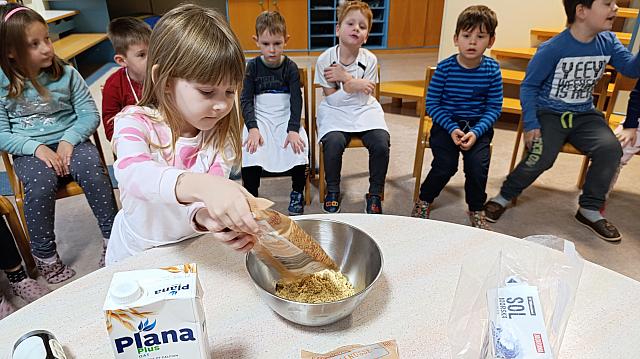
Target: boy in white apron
348,74
271,101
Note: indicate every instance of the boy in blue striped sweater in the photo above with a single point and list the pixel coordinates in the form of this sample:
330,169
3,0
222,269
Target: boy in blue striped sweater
464,100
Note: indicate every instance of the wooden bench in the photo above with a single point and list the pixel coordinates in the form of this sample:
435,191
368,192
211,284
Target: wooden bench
414,90
627,13
514,53
545,34
411,90
72,45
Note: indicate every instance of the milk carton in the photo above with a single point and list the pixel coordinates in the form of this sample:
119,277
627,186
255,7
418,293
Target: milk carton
157,313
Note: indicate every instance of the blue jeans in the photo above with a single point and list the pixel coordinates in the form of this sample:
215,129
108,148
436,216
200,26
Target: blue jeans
445,164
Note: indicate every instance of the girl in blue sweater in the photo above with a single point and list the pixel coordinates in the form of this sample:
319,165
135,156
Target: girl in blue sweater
46,117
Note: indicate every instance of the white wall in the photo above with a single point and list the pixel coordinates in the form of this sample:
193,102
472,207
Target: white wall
515,19
38,5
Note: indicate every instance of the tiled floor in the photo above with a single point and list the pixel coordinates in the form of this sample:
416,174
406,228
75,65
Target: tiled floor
545,208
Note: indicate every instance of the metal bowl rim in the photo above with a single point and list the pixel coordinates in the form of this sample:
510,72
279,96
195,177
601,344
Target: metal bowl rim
366,289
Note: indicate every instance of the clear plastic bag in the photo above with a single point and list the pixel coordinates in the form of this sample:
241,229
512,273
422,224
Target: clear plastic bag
488,277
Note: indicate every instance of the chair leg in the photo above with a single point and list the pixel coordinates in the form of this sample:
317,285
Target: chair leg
583,172
516,147
416,188
21,239
20,205
307,188
420,141
321,179
420,148
312,160
417,161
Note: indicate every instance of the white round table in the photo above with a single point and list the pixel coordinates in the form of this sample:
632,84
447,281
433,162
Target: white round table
410,303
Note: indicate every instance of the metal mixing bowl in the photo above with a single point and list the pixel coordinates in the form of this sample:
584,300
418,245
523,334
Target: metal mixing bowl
357,255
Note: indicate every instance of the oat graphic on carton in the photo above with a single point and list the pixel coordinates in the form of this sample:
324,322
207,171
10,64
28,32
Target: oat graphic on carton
186,268
125,317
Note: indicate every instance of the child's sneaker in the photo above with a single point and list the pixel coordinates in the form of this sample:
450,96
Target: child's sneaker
29,289
56,272
296,204
478,220
6,307
374,204
493,211
421,209
331,202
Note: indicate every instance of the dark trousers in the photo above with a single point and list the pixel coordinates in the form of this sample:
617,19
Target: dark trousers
377,143
41,184
445,164
589,133
9,256
251,178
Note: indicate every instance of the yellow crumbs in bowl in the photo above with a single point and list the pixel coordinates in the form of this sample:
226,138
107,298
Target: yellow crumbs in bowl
320,287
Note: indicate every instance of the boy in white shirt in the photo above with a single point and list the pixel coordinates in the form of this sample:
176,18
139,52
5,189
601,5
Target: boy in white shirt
348,74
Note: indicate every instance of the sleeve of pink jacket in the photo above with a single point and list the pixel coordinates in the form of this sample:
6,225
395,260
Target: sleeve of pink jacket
139,171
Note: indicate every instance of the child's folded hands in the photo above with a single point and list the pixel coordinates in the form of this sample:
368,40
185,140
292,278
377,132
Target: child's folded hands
467,141
51,159
457,136
65,150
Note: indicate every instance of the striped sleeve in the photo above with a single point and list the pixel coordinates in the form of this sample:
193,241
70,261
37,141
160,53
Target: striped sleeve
434,108
493,105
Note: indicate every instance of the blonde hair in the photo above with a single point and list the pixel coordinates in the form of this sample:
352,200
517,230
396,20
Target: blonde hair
361,6
13,40
195,44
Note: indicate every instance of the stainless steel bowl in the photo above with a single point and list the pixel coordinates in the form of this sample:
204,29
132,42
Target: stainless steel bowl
355,252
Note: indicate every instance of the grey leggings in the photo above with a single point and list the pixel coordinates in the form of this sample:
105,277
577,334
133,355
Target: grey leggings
41,184
588,132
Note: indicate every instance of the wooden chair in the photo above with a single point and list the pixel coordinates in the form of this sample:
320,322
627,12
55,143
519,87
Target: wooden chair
70,189
354,142
423,136
412,90
600,91
7,210
304,85
622,83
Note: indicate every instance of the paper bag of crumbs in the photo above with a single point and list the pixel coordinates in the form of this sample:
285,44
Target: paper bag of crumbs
286,242
387,350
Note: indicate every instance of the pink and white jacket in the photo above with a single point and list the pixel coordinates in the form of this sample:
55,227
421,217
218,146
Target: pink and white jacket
147,170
